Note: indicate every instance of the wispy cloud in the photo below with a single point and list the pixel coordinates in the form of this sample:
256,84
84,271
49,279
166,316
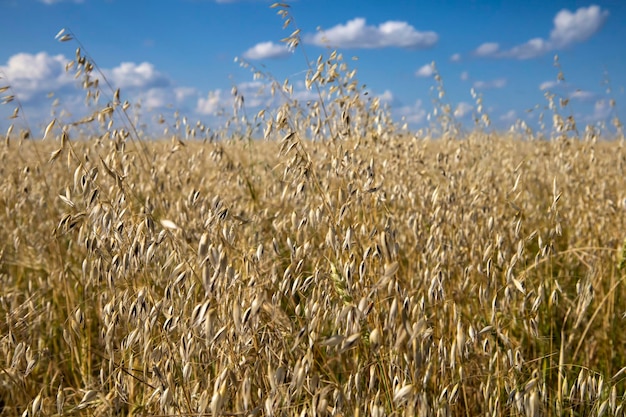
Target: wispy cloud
357,34
509,117
582,95
267,50
257,94
455,57
414,114
386,97
463,109
154,98
601,111
485,85
547,85
425,71
566,89
213,102
183,93
487,49
569,28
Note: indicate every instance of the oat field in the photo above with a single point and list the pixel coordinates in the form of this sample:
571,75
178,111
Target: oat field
340,266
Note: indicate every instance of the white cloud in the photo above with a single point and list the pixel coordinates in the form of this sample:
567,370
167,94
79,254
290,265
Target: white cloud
35,75
601,112
487,49
255,93
266,50
131,75
531,49
386,97
569,28
602,108
484,85
300,93
464,76
425,71
183,93
357,34
582,95
258,93
415,114
567,90
463,109
547,85
455,58
509,117
159,98
214,102
144,83
155,98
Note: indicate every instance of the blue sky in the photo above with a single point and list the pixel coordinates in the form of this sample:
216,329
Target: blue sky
179,54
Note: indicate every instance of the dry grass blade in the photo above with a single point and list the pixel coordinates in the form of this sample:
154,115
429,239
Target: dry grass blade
168,224
402,394
87,399
49,128
333,341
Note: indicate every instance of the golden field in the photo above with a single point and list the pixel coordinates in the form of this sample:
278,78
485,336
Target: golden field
386,276
339,266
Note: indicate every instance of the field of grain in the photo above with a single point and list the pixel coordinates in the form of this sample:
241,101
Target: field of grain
388,276
340,266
